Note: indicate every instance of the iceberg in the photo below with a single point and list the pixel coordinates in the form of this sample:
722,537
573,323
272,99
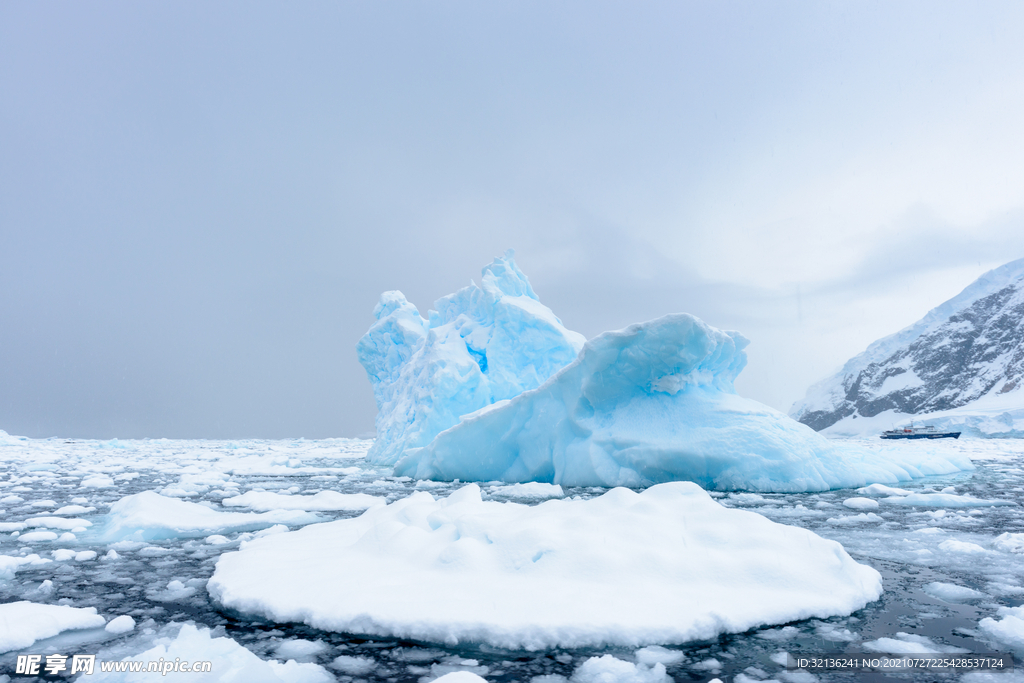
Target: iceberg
666,565
653,403
481,345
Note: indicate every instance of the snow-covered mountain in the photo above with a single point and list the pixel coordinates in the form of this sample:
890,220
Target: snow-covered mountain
961,366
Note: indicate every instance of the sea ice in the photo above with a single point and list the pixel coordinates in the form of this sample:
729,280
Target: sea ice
950,592
23,623
609,669
480,346
947,500
1009,629
148,516
667,565
10,564
230,661
908,644
652,403
323,501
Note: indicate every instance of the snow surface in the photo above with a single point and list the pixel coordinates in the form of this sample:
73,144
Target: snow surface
480,345
667,565
653,403
23,623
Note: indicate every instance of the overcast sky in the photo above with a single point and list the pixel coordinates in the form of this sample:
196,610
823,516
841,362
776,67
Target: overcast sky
201,202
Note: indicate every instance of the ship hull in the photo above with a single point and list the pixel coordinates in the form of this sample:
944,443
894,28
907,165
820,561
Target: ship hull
943,435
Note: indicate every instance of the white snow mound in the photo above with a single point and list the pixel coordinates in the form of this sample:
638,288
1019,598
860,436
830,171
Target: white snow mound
667,565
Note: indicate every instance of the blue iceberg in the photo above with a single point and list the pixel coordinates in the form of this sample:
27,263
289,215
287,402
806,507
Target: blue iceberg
481,345
492,389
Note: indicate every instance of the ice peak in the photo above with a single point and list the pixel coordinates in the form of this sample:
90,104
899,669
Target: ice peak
504,276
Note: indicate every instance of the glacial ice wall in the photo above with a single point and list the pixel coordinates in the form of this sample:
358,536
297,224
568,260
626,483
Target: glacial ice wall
654,403
480,345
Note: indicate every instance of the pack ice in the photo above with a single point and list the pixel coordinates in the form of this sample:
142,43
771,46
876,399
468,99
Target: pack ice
476,397
667,565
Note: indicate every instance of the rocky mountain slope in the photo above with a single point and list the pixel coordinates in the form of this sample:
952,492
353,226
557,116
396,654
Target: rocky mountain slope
960,365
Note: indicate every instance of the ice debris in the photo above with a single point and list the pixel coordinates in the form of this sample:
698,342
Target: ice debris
668,565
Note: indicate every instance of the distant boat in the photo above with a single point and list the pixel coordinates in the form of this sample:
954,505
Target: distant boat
912,432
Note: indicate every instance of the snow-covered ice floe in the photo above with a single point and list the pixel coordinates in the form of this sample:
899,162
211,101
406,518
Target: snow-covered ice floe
23,623
492,389
667,565
323,500
148,516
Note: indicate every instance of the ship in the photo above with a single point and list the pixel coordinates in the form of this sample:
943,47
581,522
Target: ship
924,432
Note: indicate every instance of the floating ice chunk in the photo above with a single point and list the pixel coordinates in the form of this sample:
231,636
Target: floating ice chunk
652,403
354,666
881,490
1009,543
67,537
228,658
784,633
7,527
57,522
746,498
324,500
10,564
74,510
908,644
608,669
217,539
36,536
482,345
23,623
955,546
655,654
710,664
945,500
1009,629
667,565
175,592
121,624
530,491
97,481
460,677
149,516
862,518
299,649
63,555
950,592
861,503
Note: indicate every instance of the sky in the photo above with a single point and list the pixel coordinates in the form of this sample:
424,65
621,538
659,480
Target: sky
200,203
